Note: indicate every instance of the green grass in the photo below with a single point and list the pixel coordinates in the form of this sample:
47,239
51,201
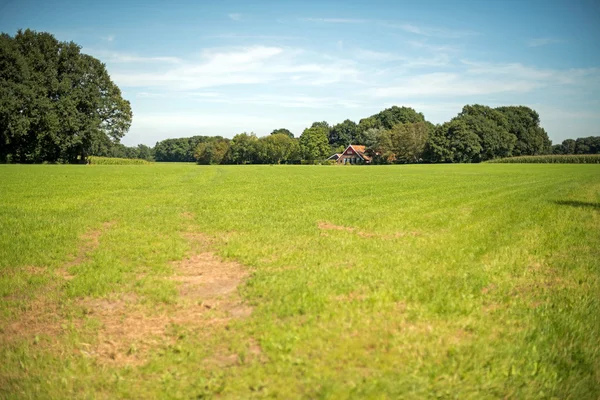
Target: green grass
419,281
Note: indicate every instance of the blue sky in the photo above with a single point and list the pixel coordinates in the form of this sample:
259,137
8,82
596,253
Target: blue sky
224,67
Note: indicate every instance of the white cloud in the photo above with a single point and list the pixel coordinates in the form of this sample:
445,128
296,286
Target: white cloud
448,84
235,16
247,65
108,38
484,79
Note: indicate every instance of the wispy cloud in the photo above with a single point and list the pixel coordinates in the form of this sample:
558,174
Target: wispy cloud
406,27
399,61
536,42
235,16
483,79
123,58
108,38
436,48
428,31
245,65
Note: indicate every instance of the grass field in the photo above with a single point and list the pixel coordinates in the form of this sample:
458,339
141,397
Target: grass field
184,281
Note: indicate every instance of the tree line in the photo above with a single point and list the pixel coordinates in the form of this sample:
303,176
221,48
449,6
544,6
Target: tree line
394,135
59,105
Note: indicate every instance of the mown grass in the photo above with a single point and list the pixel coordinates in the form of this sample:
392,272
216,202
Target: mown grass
424,281
551,159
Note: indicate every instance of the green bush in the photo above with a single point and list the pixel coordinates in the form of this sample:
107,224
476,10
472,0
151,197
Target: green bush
552,159
116,161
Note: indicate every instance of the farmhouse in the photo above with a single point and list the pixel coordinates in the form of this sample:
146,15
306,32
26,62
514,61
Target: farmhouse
354,154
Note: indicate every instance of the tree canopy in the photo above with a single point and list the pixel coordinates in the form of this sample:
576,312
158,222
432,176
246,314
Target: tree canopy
283,131
56,104
314,143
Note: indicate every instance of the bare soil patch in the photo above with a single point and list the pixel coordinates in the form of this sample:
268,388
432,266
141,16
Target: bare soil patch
208,300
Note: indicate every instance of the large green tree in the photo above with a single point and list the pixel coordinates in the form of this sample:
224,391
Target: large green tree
492,128
393,116
314,143
524,123
213,151
278,148
378,142
408,141
243,148
56,104
343,133
453,142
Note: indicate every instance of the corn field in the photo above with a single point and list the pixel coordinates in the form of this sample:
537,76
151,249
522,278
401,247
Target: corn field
552,159
116,161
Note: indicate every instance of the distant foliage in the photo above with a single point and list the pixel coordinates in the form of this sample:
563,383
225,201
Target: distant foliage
343,134
115,161
284,131
213,151
408,141
392,116
119,150
587,145
552,159
180,149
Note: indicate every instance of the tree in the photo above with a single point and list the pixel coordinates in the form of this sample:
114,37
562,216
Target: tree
145,152
587,145
56,104
524,123
343,133
492,128
213,151
453,142
322,124
278,148
314,144
284,131
408,141
568,146
243,148
393,116
178,149
379,145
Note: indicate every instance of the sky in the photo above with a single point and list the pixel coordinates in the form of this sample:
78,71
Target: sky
226,67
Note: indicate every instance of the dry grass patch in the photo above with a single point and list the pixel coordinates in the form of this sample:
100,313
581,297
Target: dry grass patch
41,317
90,241
130,330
